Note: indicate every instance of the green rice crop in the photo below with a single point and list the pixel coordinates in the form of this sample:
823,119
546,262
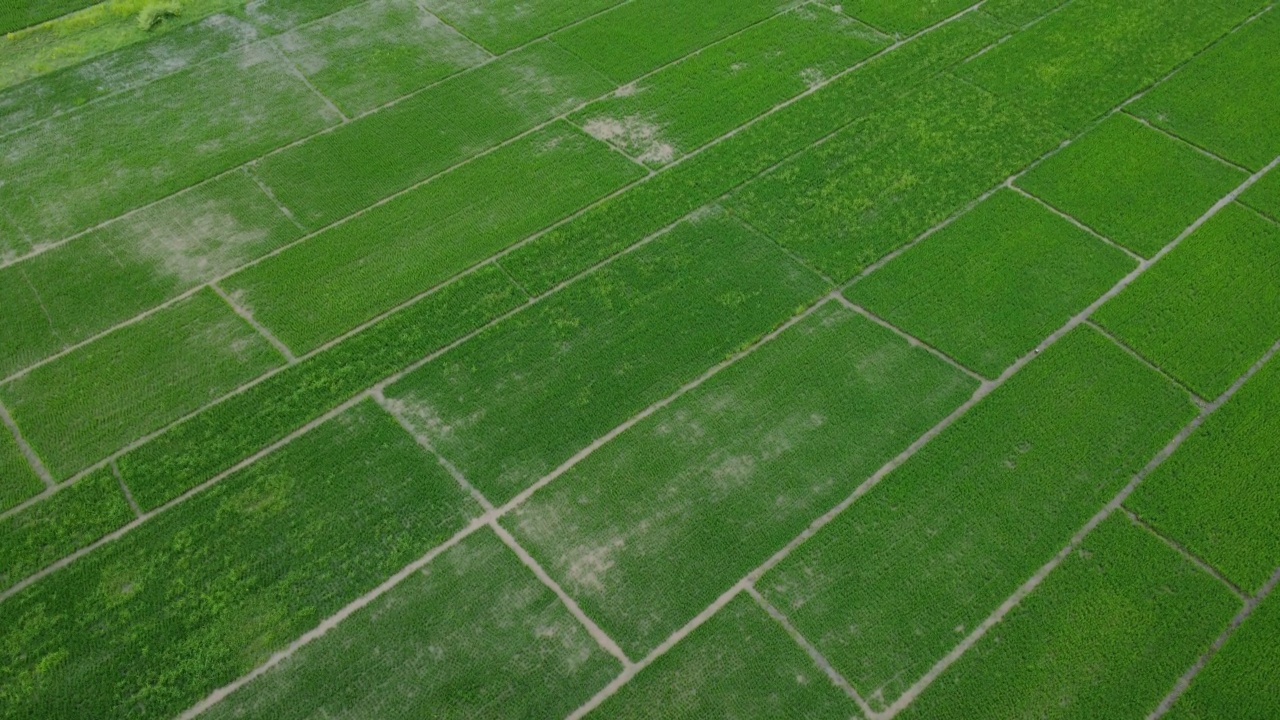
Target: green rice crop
608,345
1217,494
1105,636
892,175
72,292
85,167
93,401
1240,681
70,519
644,35
619,222
471,632
277,16
1021,12
1210,308
18,15
704,96
465,115
700,493
1264,196
1228,99
989,287
500,25
1132,184
902,18
220,436
900,577
1090,56
149,624
127,68
739,664
377,51
351,272
17,480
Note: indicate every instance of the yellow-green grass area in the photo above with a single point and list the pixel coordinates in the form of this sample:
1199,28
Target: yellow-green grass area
892,175
1217,495
609,345
1105,635
351,272
1209,309
96,399
72,518
1089,57
500,25
1240,681
473,634
18,480
1264,196
899,578
376,51
624,220
66,295
1132,184
1228,99
739,664
987,288
643,35
190,600
466,114
83,168
901,18
654,526
95,30
129,67
684,106
238,426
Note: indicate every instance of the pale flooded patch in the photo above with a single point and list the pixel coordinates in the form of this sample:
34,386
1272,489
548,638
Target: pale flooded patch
635,135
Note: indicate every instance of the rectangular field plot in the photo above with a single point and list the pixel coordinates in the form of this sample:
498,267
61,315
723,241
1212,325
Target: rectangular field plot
472,631
643,35
151,623
620,221
1264,196
903,18
1090,56
518,400
234,429
740,664
351,272
74,291
19,15
892,175
1228,99
17,480
1105,636
377,51
94,400
688,104
83,168
1217,495
1240,681
69,519
124,69
1132,184
1209,309
989,287
700,493
900,577
500,25
387,151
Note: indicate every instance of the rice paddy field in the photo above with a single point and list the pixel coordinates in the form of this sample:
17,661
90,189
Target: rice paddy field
743,359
